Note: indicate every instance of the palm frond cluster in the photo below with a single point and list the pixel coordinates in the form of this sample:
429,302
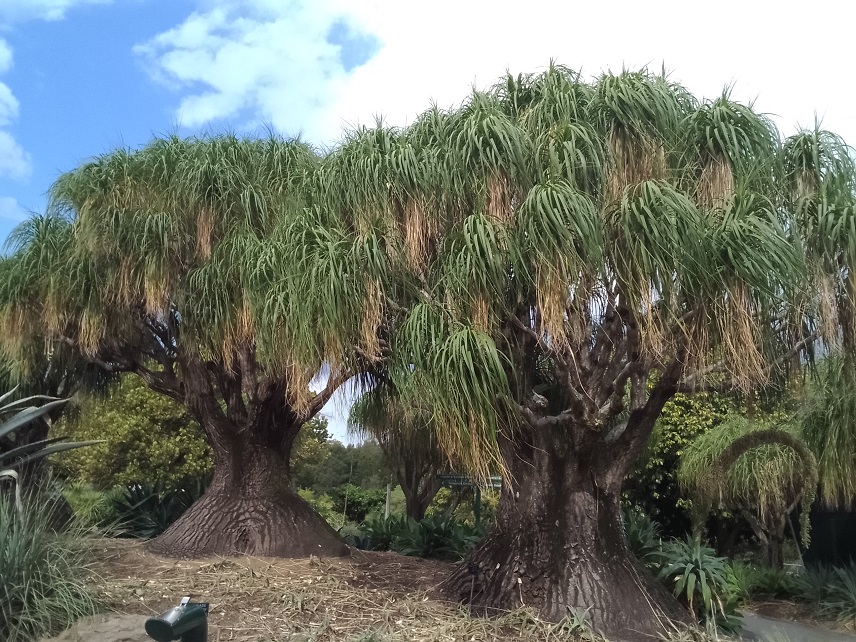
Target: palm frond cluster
543,248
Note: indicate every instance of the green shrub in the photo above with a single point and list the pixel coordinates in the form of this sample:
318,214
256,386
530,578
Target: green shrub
841,602
146,510
42,589
93,508
773,582
643,535
459,505
356,502
743,577
383,532
763,582
324,505
438,537
147,438
702,581
814,584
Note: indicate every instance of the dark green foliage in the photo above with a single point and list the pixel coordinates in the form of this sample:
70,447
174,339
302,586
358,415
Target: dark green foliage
43,589
146,436
831,589
814,584
653,485
701,581
438,537
356,502
382,532
764,581
842,599
146,510
642,535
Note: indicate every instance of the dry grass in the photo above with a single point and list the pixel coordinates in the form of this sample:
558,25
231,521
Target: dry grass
383,597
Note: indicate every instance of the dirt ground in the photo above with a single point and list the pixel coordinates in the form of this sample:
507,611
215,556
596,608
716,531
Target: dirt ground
370,597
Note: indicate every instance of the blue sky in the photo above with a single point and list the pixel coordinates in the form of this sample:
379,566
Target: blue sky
81,77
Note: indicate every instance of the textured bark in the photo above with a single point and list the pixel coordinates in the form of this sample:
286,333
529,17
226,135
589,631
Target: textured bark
250,508
558,546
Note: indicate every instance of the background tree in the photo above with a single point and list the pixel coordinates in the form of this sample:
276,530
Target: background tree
408,443
360,465
188,263
311,450
145,437
761,471
554,261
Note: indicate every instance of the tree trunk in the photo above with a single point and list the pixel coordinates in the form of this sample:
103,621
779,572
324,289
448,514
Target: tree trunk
419,490
414,506
776,542
558,545
250,507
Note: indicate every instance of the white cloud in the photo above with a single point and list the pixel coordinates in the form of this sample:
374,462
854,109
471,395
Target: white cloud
5,56
458,43
274,61
11,210
20,10
8,105
15,163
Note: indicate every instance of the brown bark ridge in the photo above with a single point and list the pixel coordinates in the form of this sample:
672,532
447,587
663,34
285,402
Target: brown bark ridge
558,546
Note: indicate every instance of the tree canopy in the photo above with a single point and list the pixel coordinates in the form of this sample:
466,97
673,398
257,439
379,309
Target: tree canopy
540,268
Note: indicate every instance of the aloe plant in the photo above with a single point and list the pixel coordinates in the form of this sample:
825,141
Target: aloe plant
17,414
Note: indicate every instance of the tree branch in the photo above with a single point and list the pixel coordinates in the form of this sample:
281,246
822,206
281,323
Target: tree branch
334,382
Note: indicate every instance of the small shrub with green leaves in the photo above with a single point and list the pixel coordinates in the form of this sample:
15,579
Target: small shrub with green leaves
145,437
701,580
841,601
643,535
43,589
763,582
814,584
93,508
146,510
324,505
356,502
773,582
382,532
438,537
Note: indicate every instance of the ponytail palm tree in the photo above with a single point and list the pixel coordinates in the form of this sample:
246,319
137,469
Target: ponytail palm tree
408,443
556,260
191,264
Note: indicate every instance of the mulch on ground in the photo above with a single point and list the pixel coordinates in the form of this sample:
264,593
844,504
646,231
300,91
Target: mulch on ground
369,597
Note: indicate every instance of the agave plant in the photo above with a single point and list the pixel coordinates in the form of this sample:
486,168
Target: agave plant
17,414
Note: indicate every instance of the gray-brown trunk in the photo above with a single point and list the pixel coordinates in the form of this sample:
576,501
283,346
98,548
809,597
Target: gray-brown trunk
558,547
249,508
